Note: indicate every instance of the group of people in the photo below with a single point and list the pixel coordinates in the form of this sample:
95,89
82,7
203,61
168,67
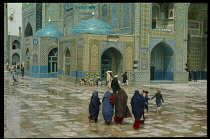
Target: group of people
115,104
110,78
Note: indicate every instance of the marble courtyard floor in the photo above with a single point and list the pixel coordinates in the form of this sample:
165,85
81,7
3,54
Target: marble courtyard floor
57,109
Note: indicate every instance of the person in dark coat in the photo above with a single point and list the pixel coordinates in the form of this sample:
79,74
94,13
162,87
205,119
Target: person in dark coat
125,78
22,70
115,84
121,108
138,105
195,76
190,76
108,107
94,107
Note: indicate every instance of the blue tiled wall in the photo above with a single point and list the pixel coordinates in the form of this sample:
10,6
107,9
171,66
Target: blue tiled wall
158,75
73,73
52,75
43,69
43,75
80,74
167,64
204,75
35,69
168,75
35,75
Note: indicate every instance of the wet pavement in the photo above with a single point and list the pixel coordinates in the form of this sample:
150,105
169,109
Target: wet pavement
52,108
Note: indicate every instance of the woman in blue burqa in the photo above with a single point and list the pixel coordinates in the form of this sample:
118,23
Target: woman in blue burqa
108,107
94,107
137,104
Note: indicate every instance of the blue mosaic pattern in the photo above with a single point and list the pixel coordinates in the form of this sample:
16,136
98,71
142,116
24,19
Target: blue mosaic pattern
35,75
35,69
48,31
52,75
43,69
43,75
93,26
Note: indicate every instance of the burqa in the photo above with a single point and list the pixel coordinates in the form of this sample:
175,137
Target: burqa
137,104
94,106
115,85
107,107
121,108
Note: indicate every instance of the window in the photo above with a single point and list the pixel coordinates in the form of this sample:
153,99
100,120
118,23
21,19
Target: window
52,60
67,62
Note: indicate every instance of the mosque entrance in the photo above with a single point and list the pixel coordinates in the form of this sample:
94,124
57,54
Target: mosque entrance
161,62
15,59
111,60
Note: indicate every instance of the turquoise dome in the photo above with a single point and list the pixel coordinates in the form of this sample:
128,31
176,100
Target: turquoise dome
93,26
48,31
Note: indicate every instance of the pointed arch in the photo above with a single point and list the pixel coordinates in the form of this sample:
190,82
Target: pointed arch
111,59
67,59
52,60
28,30
161,61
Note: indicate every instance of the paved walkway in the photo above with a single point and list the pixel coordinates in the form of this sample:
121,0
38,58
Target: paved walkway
51,108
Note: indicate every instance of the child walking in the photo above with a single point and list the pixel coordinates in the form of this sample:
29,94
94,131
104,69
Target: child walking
159,97
147,99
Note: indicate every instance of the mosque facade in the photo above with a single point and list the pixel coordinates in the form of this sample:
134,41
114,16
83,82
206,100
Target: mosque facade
151,41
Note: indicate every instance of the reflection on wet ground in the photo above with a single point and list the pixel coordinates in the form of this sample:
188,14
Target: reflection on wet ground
51,108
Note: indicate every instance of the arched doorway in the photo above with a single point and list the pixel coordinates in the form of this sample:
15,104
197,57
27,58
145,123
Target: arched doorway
52,60
67,63
111,59
15,44
15,59
161,62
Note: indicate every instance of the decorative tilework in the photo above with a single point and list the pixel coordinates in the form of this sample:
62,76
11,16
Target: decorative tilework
144,61
35,69
43,69
105,45
35,59
52,75
137,30
142,78
35,41
145,24
181,77
94,59
129,58
179,66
